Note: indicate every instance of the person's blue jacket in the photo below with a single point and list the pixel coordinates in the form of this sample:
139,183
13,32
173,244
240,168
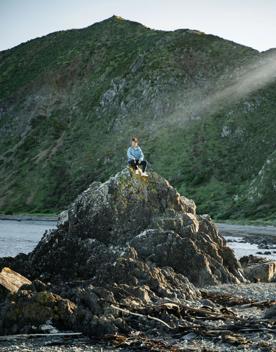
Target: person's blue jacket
135,153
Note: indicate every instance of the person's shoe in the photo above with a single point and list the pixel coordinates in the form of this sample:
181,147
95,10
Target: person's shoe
144,174
136,171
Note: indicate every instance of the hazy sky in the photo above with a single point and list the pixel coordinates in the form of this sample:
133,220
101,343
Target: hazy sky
248,22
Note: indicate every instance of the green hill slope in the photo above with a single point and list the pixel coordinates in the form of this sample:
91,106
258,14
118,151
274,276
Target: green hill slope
70,101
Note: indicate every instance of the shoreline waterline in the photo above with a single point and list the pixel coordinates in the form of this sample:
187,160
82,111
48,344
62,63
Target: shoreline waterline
28,217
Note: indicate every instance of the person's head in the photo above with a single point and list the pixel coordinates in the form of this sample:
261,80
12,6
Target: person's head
134,141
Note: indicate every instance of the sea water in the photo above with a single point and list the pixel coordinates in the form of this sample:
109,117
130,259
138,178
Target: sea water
21,236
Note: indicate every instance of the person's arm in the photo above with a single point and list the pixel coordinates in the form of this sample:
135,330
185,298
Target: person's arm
129,155
141,155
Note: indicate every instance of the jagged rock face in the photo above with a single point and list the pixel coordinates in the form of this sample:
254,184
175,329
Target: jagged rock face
117,210
26,310
130,220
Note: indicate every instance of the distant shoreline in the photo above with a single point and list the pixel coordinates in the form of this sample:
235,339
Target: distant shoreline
225,227
28,217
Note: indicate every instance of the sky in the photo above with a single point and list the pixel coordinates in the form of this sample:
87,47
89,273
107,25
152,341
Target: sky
247,22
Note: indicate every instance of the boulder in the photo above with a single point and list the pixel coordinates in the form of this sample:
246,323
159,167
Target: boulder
258,269
27,311
250,259
147,215
263,272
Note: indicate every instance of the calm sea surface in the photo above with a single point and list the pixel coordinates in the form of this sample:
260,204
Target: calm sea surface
21,236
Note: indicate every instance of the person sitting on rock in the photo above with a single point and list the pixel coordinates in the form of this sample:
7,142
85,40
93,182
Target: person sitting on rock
136,157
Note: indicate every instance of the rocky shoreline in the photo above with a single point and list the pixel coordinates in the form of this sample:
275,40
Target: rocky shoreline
132,266
29,217
245,302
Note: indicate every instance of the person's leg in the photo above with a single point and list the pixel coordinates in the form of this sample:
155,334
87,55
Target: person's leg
144,165
132,163
137,169
136,164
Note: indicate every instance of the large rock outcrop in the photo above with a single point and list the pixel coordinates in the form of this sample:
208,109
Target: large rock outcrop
145,217
129,242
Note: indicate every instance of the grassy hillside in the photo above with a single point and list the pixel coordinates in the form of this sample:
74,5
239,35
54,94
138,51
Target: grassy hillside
70,101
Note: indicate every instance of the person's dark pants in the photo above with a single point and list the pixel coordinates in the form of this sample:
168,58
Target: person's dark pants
135,163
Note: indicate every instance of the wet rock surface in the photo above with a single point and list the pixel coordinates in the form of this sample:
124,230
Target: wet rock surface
128,262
